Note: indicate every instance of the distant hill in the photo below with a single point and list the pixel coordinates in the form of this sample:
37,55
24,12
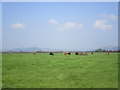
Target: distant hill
34,49
30,49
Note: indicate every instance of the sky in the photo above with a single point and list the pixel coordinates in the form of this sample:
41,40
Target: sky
59,25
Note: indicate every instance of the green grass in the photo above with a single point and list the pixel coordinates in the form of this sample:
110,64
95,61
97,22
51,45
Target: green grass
25,70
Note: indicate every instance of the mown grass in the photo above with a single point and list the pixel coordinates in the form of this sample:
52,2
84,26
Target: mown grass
25,70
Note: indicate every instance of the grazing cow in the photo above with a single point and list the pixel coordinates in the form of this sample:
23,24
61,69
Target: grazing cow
76,53
91,53
81,53
85,53
51,53
67,53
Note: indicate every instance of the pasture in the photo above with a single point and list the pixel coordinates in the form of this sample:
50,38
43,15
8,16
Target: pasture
25,70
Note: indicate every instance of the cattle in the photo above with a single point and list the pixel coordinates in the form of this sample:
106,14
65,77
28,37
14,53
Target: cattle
81,53
85,53
51,53
76,53
67,53
91,53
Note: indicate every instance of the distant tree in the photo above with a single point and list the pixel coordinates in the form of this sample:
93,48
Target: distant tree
99,50
104,50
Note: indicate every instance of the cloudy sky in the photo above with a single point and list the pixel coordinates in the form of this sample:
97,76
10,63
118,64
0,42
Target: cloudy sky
60,25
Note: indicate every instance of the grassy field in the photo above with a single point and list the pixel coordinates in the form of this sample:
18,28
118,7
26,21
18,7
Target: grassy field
25,70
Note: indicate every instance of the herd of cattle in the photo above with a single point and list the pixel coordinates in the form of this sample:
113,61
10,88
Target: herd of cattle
76,53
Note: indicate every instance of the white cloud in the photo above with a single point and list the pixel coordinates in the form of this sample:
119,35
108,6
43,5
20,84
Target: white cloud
102,25
67,26
110,16
18,26
53,21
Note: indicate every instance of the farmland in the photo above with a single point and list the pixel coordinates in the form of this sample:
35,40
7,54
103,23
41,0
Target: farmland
25,70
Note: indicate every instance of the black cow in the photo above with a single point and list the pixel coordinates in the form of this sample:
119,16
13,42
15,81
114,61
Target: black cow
69,53
76,53
91,52
51,53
